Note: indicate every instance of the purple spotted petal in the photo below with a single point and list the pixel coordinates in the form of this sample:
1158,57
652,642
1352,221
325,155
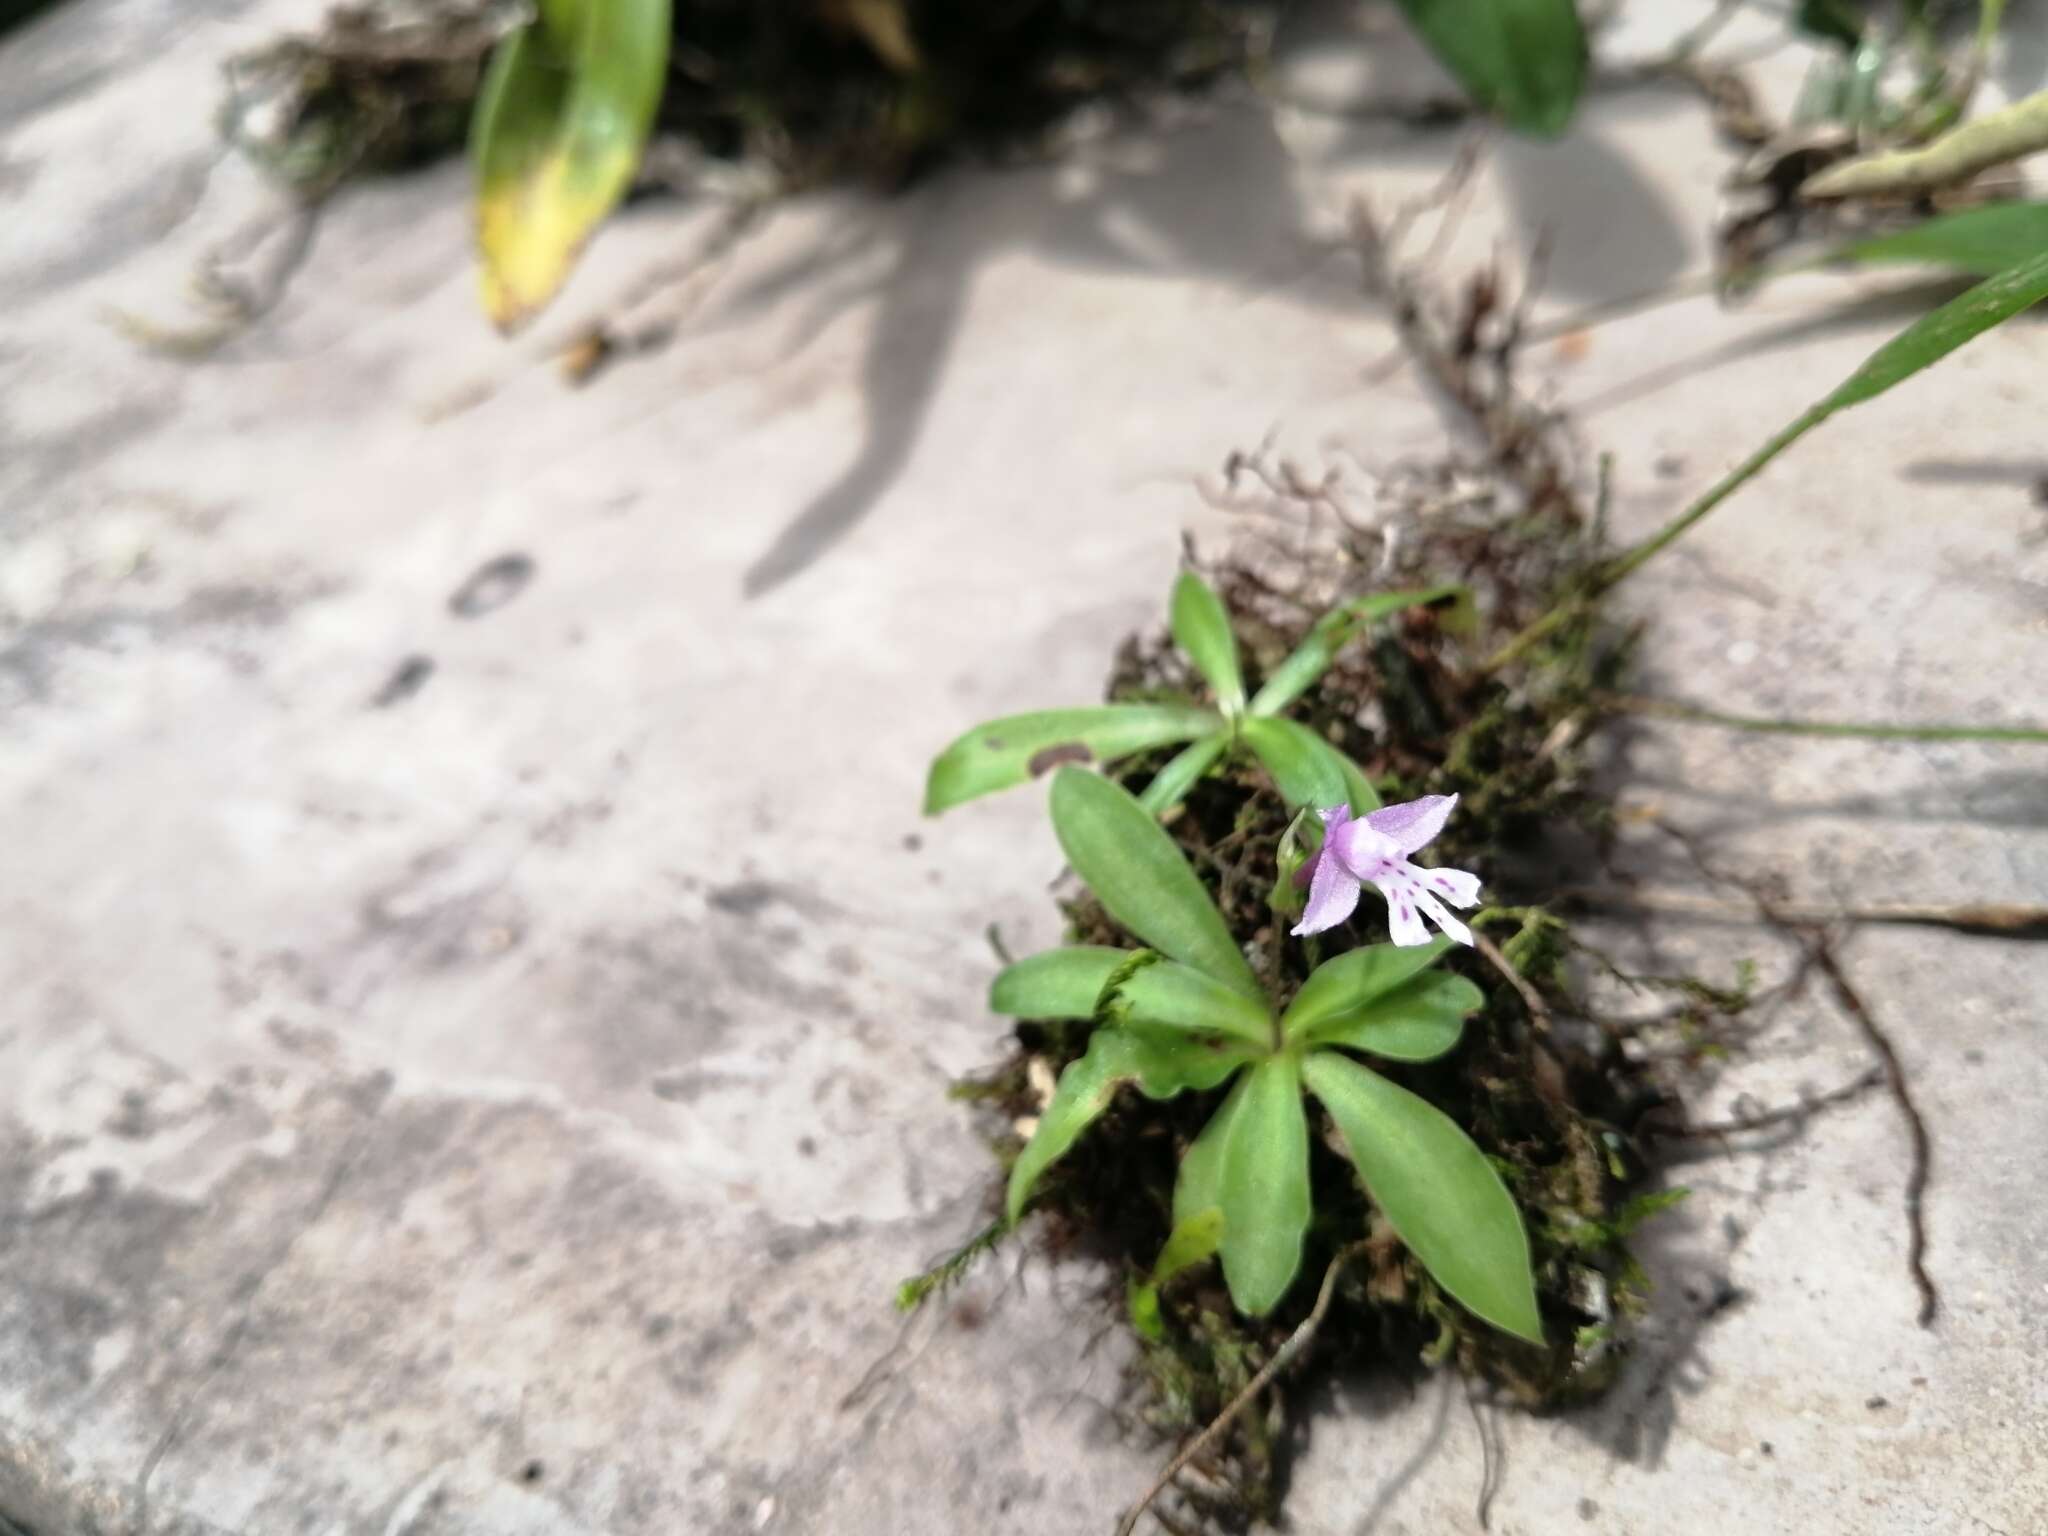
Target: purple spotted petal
1332,896
1404,905
1414,894
1439,914
1454,885
1413,824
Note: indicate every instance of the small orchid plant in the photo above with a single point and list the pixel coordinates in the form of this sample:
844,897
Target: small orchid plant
1187,1014
1306,769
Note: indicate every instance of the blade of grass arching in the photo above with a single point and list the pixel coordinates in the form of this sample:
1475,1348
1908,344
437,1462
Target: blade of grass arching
1980,241
1921,345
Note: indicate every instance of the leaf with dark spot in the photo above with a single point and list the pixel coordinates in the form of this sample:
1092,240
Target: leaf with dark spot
1046,759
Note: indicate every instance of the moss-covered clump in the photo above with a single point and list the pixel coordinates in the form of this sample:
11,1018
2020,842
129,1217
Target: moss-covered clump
1551,1097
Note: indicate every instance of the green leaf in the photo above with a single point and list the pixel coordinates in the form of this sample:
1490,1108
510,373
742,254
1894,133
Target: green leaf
1932,337
1363,796
1179,997
560,122
1980,241
1160,1067
1200,1183
1055,983
1304,766
1141,879
1294,851
1191,1242
1524,59
1202,629
1264,1189
1346,983
1416,1022
1141,1300
1925,342
1171,783
1000,754
1437,1190
1332,632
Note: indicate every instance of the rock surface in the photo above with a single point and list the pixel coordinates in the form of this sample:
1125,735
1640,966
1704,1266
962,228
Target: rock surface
479,996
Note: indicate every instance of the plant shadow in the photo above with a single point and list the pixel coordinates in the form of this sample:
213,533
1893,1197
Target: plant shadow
1209,194
1881,314
1212,201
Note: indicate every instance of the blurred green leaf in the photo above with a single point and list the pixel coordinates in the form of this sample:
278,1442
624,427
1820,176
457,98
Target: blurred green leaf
1337,629
1932,337
1340,987
1190,1242
1160,1067
1263,1187
999,754
1171,783
1055,983
1303,765
1417,1021
1199,1185
1360,789
1289,858
559,126
1980,241
1835,20
1522,59
1202,629
1141,879
1437,1190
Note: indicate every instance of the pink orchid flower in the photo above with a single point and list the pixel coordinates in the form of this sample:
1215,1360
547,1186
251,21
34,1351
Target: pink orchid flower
1373,849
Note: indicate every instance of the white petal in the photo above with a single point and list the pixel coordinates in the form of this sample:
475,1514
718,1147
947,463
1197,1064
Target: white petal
1454,885
1404,913
1440,915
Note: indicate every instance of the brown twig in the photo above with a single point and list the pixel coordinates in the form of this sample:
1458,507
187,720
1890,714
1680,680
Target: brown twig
1291,1346
1539,1011
1916,1179
1814,940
